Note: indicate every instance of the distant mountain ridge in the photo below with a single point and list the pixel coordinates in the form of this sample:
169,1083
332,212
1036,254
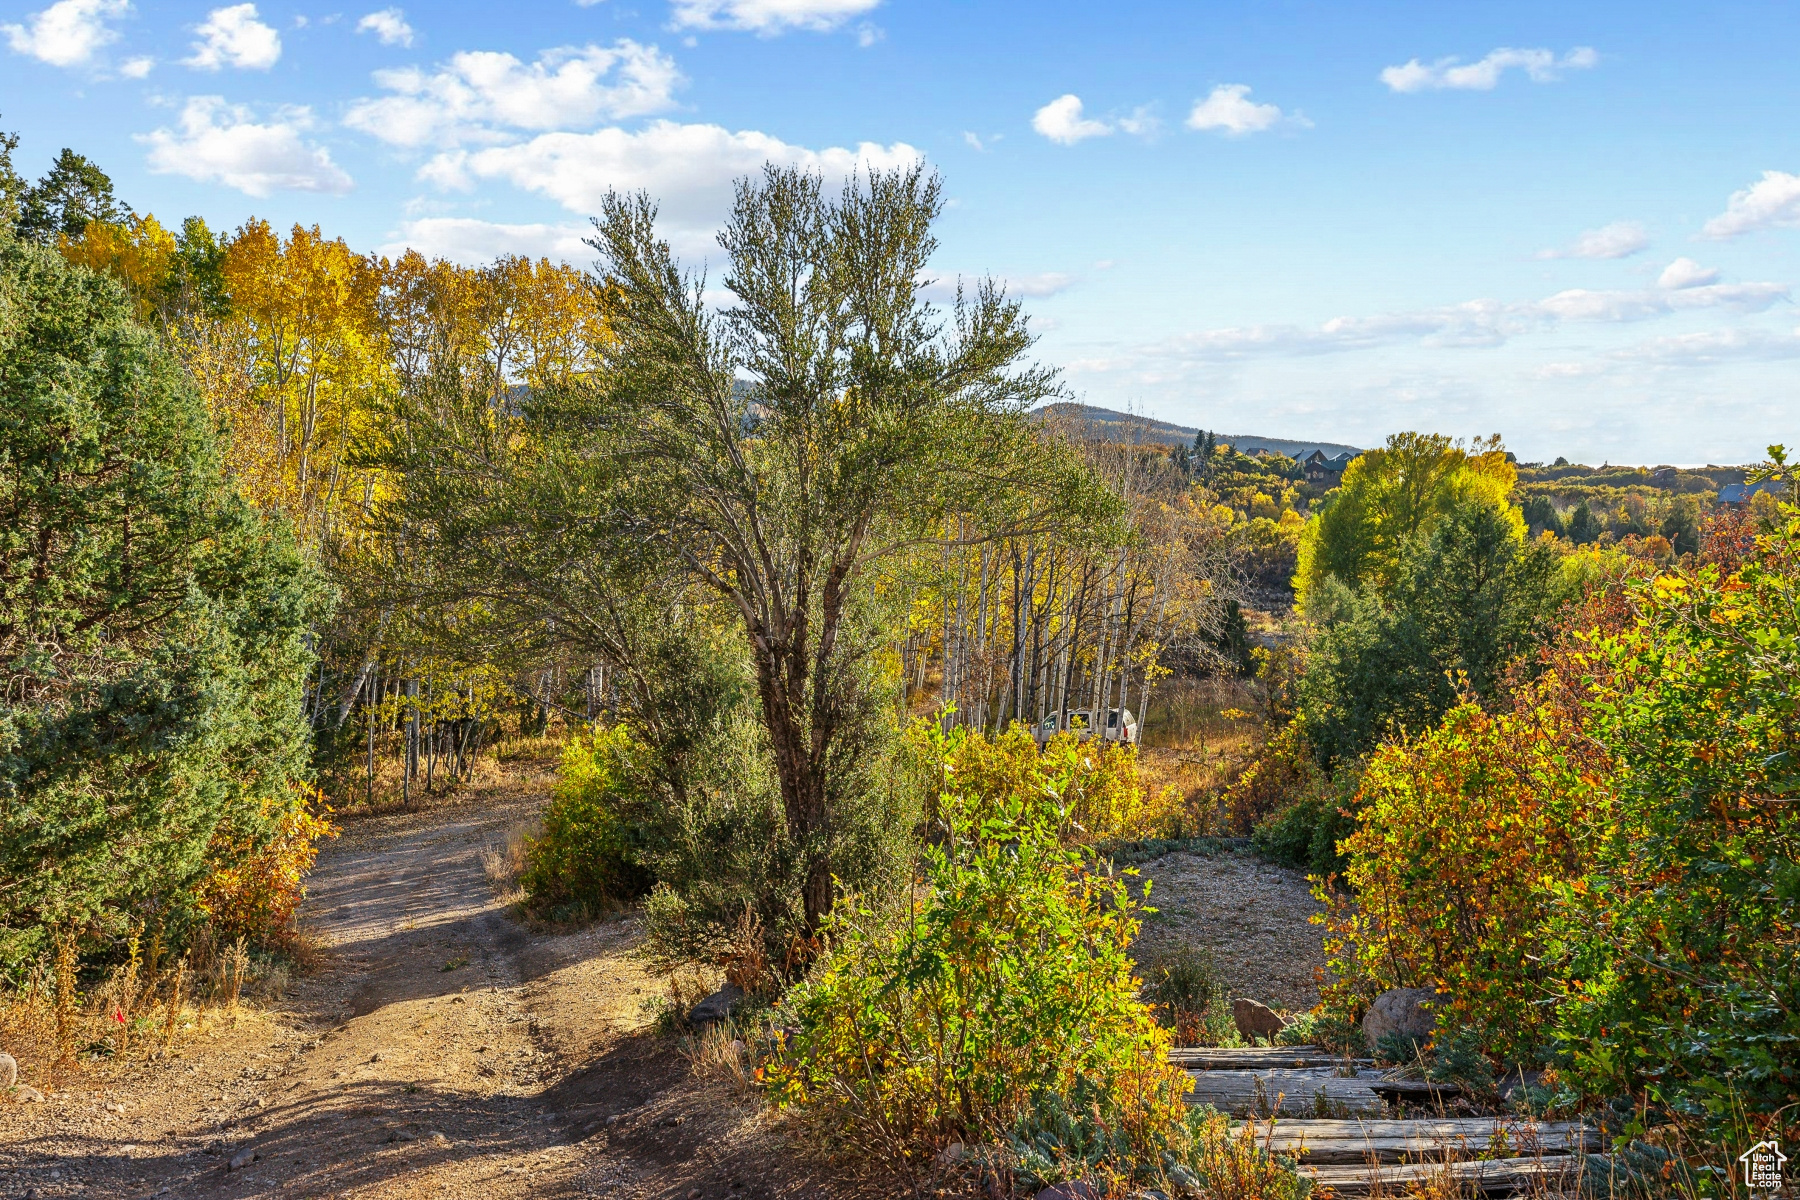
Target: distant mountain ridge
1129,427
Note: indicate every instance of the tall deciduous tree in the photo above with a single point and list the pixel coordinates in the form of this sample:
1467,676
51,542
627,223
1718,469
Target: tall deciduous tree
784,449
1393,495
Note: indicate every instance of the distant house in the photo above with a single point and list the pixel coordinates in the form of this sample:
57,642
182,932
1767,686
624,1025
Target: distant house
1740,493
1323,470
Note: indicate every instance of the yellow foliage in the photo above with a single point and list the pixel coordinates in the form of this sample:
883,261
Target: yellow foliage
1099,789
1391,494
137,255
256,891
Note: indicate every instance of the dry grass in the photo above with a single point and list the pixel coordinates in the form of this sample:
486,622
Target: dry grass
504,861
545,745
505,765
54,1023
1200,714
1200,734
719,1052
1241,1166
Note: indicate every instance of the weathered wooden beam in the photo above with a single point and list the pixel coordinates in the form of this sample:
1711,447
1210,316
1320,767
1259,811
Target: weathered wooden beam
1316,1092
1251,1058
1490,1177
1414,1090
1360,1142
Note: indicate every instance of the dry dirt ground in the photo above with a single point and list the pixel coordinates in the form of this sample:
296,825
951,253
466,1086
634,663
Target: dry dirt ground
1251,916
446,1050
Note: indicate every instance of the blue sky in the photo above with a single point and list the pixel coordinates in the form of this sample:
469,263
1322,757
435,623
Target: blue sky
1575,225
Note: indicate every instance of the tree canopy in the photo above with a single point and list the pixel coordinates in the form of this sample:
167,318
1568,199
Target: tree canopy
1392,495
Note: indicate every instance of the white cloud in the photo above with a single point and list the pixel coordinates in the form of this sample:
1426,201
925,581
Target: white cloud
222,143
1580,304
1474,323
479,92
1043,283
234,37
389,26
1621,239
1143,122
1061,121
769,17
137,68
1686,273
1714,345
1771,202
466,240
972,140
1036,285
1541,66
1228,110
689,169
68,33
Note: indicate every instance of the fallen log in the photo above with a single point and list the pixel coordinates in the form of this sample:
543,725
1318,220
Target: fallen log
1488,1177
1304,1092
1417,1091
1349,1143
1251,1058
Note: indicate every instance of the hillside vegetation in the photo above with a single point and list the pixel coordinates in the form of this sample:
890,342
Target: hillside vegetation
855,665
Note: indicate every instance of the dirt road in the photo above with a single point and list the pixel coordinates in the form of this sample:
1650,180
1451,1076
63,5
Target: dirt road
444,1051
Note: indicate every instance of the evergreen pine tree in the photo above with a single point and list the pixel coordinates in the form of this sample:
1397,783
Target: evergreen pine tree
151,622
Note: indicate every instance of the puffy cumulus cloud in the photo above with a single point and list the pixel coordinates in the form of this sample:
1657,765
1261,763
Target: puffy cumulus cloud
1061,121
235,37
1540,66
1228,109
688,168
389,27
1686,273
770,17
223,143
137,68
1771,202
1621,239
467,240
69,33
480,93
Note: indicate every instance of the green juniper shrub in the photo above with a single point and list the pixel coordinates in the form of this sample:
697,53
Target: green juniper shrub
1306,833
1468,600
1457,1057
152,625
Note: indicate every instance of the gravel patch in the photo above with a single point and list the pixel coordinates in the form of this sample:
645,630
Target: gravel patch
1253,917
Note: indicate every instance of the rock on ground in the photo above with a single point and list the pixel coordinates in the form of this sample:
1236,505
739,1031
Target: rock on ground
1403,1011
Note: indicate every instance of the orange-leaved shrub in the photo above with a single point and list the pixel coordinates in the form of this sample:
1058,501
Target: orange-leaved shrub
255,891
1459,833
